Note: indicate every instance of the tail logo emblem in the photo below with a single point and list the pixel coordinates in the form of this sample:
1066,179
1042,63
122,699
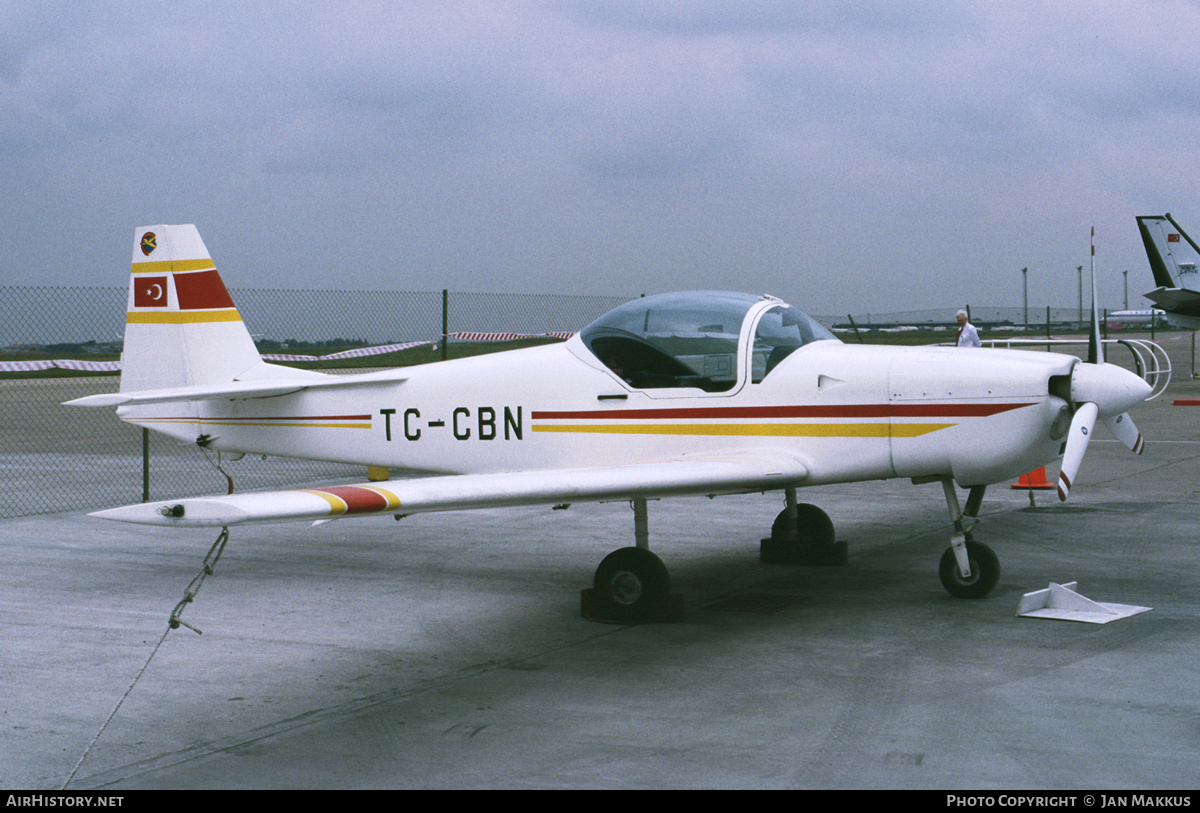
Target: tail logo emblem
149,243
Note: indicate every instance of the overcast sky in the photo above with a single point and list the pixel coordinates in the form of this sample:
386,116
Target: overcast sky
860,156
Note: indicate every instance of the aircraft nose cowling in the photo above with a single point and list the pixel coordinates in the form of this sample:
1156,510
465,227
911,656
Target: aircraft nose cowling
1111,388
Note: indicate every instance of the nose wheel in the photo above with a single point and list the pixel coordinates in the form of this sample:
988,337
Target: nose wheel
968,569
984,571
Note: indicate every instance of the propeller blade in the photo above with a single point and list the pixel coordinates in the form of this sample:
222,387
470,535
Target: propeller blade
1080,433
1123,429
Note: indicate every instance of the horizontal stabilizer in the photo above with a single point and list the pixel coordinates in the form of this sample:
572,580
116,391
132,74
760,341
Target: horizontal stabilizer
235,390
1060,601
1176,300
725,475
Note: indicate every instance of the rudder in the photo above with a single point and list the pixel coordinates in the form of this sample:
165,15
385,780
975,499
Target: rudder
181,326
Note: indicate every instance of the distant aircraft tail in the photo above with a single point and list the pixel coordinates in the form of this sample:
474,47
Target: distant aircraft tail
1174,260
181,326
1174,257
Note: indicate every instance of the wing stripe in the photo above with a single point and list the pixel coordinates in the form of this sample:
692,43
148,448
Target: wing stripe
351,500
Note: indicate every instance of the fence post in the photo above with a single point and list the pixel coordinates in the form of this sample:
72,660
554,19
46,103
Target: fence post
856,333
145,464
445,324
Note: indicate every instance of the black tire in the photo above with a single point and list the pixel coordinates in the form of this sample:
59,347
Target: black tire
813,544
813,526
985,572
631,585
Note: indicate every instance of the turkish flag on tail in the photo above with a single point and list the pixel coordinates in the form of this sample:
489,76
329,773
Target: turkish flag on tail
150,292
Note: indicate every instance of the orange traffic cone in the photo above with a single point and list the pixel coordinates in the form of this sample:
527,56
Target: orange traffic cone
1035,479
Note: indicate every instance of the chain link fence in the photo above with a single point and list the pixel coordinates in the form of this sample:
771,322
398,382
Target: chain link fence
56,458
1043,320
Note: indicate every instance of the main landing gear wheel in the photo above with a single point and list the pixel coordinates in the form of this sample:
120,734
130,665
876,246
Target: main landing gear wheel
631,585
985,572
812,544
813,526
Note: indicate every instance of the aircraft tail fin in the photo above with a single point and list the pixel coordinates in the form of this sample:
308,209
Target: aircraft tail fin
1174,257
181,326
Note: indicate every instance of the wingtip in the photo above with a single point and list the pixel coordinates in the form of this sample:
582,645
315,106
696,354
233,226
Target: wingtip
105,399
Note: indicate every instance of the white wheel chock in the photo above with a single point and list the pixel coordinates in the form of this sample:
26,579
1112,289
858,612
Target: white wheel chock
1060,601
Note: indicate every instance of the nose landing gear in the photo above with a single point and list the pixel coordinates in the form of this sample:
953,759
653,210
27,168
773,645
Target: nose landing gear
968,569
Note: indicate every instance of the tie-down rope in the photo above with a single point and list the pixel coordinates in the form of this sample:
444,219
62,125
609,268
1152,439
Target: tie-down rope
210,563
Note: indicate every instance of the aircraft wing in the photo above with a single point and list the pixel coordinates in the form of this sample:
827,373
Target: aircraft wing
234,390
753,471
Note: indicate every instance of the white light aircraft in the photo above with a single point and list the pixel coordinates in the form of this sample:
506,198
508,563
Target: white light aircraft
1173,261
699,393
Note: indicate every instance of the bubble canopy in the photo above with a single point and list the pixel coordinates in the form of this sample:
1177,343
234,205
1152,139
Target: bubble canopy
693,339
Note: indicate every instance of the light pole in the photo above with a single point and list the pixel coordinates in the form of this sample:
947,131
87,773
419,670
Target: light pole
1126,275
1080,270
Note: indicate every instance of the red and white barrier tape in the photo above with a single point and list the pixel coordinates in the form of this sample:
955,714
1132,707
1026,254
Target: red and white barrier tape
506,337
62,364
347,354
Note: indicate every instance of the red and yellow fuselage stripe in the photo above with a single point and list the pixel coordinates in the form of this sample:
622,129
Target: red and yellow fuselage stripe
899,420
306,421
